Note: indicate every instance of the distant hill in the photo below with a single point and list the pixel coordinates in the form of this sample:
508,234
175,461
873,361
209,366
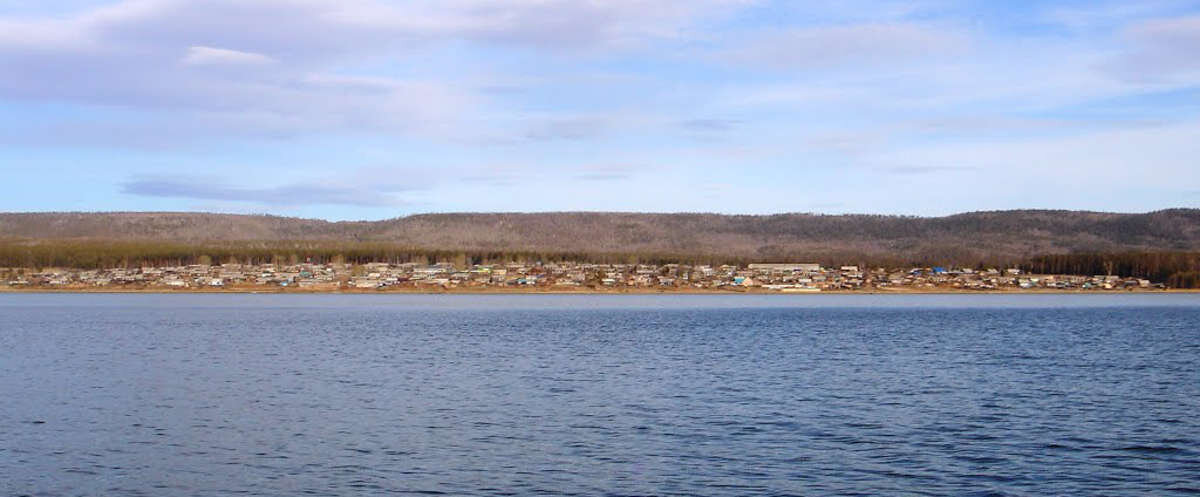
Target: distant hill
969,236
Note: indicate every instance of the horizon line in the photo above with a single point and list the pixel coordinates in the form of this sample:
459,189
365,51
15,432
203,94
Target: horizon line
597,212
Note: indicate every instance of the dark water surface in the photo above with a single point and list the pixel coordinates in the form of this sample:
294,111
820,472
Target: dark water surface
593,395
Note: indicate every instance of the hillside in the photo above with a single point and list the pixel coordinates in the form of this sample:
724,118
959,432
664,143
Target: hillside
969,236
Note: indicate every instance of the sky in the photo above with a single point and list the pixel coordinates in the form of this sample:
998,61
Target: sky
374,109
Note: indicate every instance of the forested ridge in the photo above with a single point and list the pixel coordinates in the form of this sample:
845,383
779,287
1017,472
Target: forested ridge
972,235
1161,244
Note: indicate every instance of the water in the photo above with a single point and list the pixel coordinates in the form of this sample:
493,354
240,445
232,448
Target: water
593,395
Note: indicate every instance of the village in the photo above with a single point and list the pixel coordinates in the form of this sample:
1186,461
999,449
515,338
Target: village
564,277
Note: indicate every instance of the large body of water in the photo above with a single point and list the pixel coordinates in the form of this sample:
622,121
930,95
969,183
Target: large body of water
599,395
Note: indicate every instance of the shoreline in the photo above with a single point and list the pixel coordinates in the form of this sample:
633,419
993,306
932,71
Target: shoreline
589,291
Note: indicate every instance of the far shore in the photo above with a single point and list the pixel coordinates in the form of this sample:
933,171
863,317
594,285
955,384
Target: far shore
583,291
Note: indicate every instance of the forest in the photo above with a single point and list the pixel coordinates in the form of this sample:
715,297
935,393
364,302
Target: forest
995,237
1176,269
90,254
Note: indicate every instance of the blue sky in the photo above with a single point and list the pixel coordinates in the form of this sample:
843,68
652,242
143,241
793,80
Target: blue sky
370,109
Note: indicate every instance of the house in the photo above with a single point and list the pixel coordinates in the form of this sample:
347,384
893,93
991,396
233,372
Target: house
790,267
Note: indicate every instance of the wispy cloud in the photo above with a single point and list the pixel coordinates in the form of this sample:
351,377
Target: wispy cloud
602,173
1161,50
492,179
144,55
204,56
709,125
575,128
298,194
545,95
919,170
887,44
600,176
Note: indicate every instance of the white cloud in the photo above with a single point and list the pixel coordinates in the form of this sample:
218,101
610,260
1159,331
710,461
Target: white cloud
204,56
838,46
553,24
304,29
1102,160
1161,50
1106,15
287,63
869,85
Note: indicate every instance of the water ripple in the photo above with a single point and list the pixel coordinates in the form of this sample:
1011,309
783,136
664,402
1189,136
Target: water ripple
267,397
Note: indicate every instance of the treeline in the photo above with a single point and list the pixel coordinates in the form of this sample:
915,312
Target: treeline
97,254
959,257
107,254
1176,269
